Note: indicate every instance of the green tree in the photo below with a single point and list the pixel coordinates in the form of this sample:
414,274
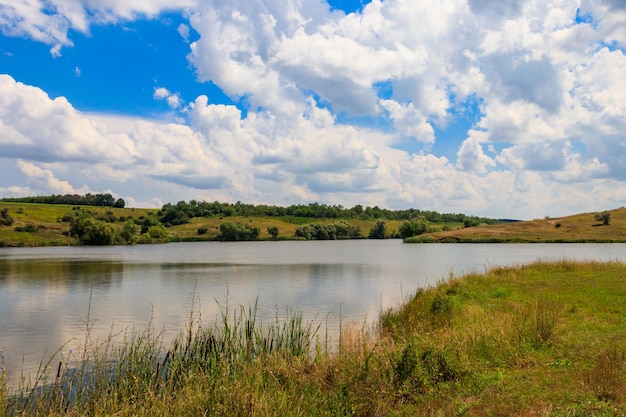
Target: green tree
156,232
273,230
129,232
148,222
413,228
471,222
238,231
5,217
119,203
604,217
379,231
93,232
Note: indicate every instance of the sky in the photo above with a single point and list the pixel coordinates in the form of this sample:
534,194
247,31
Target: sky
511,109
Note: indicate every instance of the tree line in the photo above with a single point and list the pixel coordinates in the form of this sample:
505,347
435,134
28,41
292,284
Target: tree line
101,200
183,212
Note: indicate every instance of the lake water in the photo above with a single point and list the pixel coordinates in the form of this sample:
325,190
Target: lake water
46,293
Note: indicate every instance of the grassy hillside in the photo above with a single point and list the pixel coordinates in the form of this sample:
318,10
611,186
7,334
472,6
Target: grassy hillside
49,225
577,228
547,339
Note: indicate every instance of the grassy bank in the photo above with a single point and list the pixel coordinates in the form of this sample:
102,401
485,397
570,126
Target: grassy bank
541,339
577,228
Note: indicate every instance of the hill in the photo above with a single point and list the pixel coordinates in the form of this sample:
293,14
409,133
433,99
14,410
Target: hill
582,227
44,224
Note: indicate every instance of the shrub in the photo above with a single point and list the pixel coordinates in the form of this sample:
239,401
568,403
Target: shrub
273,231
5,217
604,217
238,231
202,230
29,228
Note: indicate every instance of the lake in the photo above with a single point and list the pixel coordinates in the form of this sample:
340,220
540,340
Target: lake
47,293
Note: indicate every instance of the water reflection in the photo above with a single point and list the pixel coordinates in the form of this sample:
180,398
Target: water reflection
46,293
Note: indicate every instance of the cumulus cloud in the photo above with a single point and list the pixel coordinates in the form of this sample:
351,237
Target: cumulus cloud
45,179
49,21
173,100
550,88
471,157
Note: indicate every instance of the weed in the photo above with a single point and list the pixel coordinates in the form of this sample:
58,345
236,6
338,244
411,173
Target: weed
607,379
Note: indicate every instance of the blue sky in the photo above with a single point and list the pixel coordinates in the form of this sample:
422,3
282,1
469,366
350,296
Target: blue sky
474,106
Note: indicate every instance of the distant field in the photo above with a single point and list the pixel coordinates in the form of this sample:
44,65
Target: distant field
49,226
51,229
577,228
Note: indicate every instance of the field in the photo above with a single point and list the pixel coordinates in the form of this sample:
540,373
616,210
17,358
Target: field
577,228
546,339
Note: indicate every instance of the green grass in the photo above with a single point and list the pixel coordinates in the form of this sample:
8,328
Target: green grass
541,339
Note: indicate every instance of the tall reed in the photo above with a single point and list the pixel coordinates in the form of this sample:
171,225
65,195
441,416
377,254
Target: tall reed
104,374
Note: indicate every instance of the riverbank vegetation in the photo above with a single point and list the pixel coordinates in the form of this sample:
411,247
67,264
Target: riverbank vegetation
102,220
106,221
539,339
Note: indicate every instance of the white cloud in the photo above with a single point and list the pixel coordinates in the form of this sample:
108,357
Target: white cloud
173,99
183,31
55,51
551,94
471,157
45,179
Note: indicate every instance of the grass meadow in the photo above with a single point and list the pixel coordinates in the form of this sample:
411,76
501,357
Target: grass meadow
545,339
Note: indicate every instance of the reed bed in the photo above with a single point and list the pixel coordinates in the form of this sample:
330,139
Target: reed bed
103,377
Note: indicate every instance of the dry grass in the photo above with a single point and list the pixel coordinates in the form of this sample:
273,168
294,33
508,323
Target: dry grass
577,228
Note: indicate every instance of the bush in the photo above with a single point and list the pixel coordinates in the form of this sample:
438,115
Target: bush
5,217
202,230
273,231
379,231
238,231
29,228
604,217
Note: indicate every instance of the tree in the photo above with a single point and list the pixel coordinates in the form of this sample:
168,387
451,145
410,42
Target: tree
5,217
119,203
93,232
604,217
378,231
129,232
238,231
156,232
413,228
273,231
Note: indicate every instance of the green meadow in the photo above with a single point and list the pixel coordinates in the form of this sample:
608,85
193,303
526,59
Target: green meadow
545,339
